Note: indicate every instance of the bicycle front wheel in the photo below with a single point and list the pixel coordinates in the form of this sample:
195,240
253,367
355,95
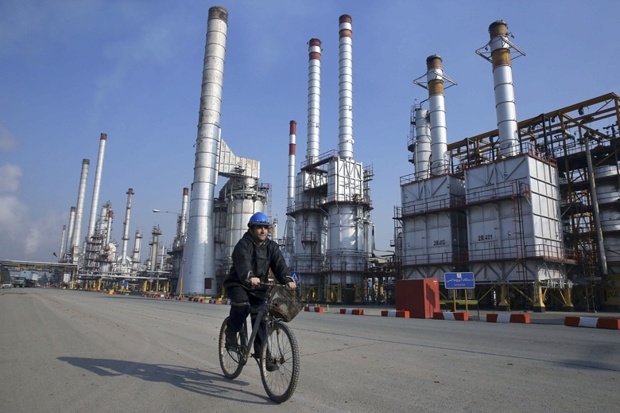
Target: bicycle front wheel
279,363
231,359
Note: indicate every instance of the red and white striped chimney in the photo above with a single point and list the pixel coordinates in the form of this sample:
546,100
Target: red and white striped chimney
505,108
314,100
345,95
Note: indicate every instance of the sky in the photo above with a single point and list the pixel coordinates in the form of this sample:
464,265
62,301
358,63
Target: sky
73,69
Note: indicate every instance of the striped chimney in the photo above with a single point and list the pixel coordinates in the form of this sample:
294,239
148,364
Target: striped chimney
345,95
314,99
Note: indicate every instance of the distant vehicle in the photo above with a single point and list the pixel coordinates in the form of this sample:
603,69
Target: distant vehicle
6,284
31,284
19,282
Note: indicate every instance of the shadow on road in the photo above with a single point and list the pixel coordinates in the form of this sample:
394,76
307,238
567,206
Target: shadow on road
194,380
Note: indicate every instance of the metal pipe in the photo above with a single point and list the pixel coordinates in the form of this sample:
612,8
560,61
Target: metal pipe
62,242
69,239
314,99
76,237
126,225
345,94
98,171
595,208
199,276
183,217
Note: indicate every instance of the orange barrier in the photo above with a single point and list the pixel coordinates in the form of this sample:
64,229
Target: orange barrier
353,311
593,322
315,309
508,318
446,315
395,313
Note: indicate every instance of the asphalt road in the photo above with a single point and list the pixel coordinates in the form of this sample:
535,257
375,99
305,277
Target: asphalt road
74,351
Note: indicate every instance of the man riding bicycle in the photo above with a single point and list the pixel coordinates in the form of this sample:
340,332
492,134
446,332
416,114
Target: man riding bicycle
253,258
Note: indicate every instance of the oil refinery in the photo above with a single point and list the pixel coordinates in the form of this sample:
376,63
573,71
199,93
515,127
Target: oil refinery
530,208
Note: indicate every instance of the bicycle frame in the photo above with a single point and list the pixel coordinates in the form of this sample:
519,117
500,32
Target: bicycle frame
261,315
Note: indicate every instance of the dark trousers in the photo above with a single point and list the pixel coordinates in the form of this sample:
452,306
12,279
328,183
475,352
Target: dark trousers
242,304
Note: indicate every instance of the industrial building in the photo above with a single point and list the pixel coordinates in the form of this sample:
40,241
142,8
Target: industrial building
530,208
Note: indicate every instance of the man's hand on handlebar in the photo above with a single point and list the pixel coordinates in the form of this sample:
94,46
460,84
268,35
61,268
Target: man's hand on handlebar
292,285
254,281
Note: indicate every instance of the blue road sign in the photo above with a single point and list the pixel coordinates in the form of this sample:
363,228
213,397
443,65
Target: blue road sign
295,276
454,280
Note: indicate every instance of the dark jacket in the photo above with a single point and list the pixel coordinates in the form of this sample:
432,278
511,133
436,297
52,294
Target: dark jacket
259,259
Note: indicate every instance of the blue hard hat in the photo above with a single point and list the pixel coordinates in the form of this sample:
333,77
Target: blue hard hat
259,219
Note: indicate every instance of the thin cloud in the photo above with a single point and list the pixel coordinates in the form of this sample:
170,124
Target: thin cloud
9,178
7,140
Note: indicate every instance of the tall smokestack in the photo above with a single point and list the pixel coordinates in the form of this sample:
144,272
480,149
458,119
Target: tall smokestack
76,237
62,242
504,87
199,276
290,223
422,153
183,218
437,112
126,224
69,239
98,171
314,99
345,94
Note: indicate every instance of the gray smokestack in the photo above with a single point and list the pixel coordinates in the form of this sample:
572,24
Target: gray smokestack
76,237
98,171
199,274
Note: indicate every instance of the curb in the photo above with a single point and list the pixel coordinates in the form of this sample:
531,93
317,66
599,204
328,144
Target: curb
593,322
353,311
447,315
395,313
508,318
314,309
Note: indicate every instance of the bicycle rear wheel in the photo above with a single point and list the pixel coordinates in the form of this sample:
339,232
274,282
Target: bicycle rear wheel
279,363
231,360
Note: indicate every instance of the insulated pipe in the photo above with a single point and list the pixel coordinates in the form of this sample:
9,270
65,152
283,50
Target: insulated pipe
423,144
504,89
126,224
183,218
98,170
314,99
79,210
345,94
290,222
69,240
199,276
437,112
62,242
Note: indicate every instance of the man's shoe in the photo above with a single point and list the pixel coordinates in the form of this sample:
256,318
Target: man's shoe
270,365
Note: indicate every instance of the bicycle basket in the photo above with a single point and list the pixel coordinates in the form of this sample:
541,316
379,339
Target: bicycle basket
283,303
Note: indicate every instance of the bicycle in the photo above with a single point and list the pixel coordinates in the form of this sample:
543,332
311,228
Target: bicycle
279,353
